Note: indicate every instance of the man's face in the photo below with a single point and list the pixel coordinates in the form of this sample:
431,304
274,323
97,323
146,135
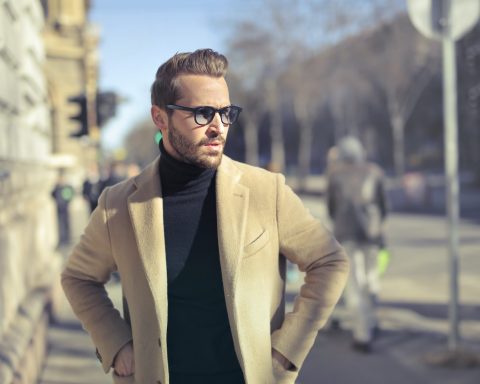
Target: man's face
184,139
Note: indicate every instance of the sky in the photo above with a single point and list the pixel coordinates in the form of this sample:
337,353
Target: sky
137,36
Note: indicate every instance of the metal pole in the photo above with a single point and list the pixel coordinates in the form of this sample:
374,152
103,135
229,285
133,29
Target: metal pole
452,183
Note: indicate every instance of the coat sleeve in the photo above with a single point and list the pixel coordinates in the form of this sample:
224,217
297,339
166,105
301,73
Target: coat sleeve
306,242
86,272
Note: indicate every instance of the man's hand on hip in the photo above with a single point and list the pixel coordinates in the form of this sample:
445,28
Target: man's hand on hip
124,362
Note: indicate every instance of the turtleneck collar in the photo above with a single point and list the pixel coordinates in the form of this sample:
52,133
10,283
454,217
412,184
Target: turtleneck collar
177,175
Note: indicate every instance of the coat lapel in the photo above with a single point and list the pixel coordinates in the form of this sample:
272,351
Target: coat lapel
146,212
232,203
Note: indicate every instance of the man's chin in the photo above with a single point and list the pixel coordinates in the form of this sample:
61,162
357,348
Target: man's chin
210,161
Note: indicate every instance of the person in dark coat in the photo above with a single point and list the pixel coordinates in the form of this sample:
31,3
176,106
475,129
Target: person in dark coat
92,187
63,194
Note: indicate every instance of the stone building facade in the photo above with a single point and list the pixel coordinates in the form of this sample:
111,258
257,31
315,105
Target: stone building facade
71,46
47,54
72,69
27,258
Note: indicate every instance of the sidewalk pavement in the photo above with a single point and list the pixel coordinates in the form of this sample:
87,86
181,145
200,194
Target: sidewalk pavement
398,357
407,349
71,355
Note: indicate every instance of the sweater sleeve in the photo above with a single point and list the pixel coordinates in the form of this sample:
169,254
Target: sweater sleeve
86,272
306,242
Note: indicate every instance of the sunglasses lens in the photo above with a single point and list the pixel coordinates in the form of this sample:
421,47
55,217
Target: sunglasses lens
230,115
204,115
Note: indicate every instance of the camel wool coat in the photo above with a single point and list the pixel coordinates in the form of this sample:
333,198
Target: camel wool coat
261,223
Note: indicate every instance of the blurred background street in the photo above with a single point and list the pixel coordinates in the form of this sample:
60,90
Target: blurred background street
75,80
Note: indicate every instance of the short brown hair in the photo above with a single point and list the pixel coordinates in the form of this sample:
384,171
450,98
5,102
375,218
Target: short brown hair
165,90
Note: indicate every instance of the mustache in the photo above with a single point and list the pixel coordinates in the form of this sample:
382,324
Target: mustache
212,140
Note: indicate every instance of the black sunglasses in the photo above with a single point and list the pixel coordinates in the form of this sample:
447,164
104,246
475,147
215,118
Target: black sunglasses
205,114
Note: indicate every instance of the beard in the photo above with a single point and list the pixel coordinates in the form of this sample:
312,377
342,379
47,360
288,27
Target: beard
196,153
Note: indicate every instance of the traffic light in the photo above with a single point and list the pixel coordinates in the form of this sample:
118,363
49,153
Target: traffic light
81,116
106,106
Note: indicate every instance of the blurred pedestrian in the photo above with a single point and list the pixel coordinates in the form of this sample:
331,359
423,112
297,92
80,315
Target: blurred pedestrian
116,173
332,159
63,194
200,241
91,187
357,206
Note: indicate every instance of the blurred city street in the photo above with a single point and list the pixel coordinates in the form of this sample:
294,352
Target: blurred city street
413,317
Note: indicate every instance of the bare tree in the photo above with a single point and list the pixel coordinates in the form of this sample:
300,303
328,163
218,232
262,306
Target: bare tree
140,144
390,56
303,88
403,67
387,66
469,100
370,58
313,86
247,77
245,92
263,47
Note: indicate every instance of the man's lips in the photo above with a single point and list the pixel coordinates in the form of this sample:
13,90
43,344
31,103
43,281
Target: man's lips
214,143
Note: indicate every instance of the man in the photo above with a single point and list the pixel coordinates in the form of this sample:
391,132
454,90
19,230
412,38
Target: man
357,206
200,242
63,194
91,187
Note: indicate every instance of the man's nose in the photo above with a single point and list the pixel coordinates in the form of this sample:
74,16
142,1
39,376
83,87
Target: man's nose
217,124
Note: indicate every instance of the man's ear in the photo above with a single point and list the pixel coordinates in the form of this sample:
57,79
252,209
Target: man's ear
160,118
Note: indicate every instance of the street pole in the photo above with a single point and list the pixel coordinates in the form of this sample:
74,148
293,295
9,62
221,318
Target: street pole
447,21
452,182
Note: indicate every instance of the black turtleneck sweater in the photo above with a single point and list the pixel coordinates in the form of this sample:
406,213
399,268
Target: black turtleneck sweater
200,345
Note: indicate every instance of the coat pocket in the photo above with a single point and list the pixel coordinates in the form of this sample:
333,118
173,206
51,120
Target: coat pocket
256,245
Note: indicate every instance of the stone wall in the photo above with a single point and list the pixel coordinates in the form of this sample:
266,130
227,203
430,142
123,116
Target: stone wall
28,262
71,51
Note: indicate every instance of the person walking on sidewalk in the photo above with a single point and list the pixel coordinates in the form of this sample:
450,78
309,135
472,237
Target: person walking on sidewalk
91,187
200,242
357,205
63,194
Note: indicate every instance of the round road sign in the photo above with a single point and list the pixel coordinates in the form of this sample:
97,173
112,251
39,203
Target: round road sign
444,19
